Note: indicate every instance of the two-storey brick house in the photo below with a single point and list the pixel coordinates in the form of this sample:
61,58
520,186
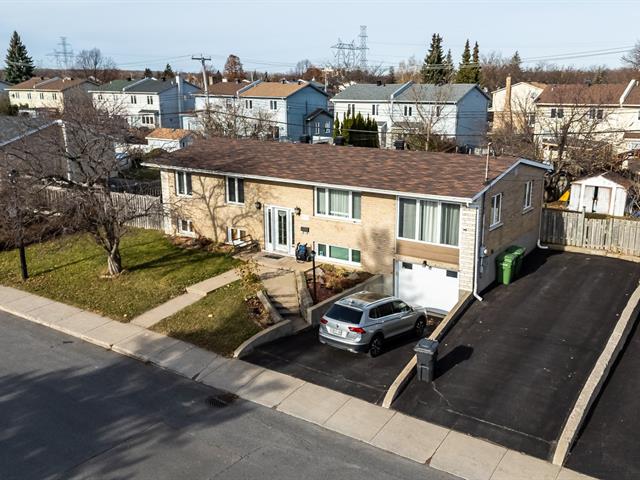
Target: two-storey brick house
431,222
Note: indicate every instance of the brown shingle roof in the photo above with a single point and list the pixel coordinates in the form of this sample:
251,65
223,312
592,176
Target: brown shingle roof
274,89
54,84
226,88
169,133
412,172
582,94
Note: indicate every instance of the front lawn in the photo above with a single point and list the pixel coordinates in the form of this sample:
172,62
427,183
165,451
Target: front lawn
69,269
219,322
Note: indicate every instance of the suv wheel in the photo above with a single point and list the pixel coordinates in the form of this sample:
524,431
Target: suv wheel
375,347
419,327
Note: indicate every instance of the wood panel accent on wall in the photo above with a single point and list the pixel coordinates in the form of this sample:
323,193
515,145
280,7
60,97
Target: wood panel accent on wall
425,251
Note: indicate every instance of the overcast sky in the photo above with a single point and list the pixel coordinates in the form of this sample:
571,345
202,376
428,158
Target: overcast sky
274,35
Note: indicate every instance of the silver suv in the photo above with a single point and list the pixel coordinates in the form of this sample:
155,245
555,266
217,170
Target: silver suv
363,321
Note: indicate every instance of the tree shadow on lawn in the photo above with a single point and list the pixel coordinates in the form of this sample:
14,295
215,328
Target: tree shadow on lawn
59,423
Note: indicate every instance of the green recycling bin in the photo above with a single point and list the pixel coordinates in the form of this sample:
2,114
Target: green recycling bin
518,252
505,267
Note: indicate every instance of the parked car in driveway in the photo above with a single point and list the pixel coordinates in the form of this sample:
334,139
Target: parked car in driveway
362,322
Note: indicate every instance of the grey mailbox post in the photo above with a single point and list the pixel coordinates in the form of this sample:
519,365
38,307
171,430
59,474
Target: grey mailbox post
426,353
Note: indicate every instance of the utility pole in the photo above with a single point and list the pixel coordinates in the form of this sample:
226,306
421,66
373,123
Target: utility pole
202,59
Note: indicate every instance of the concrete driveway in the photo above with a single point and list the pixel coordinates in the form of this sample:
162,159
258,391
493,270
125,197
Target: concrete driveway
511,369
607,446
358,375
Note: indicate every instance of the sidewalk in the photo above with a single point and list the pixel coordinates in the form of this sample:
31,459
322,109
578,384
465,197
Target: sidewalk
441,448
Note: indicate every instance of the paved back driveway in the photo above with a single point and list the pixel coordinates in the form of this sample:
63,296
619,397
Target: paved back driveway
608,445
511,369
358,375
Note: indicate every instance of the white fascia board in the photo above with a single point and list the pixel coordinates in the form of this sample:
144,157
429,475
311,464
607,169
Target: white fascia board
521,161
396,193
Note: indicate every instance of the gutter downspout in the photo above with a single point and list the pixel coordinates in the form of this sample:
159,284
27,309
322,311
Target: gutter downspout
538,244
477,253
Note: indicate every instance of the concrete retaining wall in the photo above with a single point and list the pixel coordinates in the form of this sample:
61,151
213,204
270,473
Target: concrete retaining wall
304,297
378,283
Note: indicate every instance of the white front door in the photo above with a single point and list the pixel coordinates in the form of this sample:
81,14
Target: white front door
278,229
430,287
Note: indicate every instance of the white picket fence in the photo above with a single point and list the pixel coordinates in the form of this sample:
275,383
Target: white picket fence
596,232
146,210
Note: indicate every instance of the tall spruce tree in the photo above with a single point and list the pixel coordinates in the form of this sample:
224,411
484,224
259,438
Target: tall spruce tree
148,73
475,59
432,69
448,66
168,72
19,63
465,70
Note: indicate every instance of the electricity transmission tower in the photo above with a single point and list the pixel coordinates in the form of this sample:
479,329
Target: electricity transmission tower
348,55
64,56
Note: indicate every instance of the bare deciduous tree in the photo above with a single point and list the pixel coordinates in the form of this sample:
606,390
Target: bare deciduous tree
93,64
232,120
632,58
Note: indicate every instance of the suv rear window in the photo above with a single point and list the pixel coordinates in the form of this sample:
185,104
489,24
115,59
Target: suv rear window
344,314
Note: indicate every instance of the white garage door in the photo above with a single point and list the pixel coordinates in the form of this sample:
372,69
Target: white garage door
434,288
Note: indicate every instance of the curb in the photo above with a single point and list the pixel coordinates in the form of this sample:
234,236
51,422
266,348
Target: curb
598,376
279,330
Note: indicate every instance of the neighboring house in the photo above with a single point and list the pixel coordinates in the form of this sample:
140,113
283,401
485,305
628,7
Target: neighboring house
40,94
597,114
514,106
319,125
147,102
432,223
605,193
220,101
457,112
169,139
4,86
35,144
277,110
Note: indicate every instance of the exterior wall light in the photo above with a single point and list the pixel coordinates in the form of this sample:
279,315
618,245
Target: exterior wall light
258,205
297,210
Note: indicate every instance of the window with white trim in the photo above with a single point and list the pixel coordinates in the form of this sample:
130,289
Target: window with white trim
149,99
147,120
248,104
99,96
273,104
338,254
54,95
429,221
183,184
185,227
236,236
41,96
496,210
29,95
528,190
133,99
331,202
375,110
235,190
408,110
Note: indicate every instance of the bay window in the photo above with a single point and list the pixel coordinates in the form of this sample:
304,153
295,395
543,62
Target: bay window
429,221
338,203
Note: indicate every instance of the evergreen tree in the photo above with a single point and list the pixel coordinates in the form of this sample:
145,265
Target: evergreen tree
346,126
449,68
376,137
392,75
475,59
516,61
465,70
19,63
168,72
265,77
432,69
148,73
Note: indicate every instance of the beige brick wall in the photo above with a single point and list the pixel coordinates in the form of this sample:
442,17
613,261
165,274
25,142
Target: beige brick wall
518,227
374,236
467,247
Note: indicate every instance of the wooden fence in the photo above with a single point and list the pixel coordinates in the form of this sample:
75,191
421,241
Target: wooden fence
145,210
596,232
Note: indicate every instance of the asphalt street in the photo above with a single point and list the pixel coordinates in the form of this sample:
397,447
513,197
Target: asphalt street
72,410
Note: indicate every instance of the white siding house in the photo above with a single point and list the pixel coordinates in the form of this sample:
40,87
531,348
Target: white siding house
456,111
147,102
515,105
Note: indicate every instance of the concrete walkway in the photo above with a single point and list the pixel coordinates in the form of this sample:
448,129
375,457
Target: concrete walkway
444,449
